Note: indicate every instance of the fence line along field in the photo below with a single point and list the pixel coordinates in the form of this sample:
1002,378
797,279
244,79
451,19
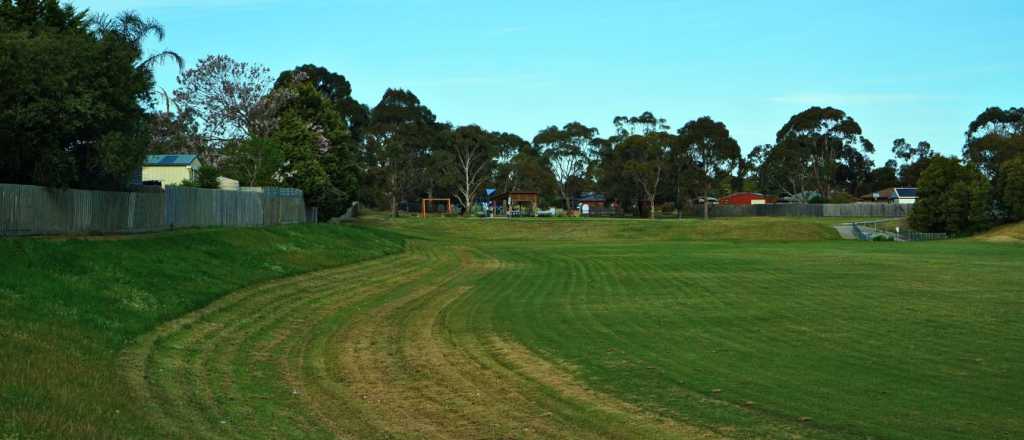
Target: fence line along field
567,328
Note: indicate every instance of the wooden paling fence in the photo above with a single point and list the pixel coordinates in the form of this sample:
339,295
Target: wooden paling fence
35,210
881,210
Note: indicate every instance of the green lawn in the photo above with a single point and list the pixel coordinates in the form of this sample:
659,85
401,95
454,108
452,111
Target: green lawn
524,328
857,339
70,306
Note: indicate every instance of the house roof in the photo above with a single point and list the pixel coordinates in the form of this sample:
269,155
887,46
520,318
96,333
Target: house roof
169,160
891,193
882,194
590,197
906,193
738,194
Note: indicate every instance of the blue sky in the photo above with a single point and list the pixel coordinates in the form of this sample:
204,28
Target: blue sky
915,69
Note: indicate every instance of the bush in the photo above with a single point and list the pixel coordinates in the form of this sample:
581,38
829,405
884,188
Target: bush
842,197
1011,189
952,198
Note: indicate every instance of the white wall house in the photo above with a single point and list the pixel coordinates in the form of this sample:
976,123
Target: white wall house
904,196
170,169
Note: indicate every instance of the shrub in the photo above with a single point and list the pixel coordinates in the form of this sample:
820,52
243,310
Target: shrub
842,197
1011,189
952,198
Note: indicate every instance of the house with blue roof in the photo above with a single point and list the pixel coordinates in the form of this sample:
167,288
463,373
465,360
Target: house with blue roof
170,169
897,196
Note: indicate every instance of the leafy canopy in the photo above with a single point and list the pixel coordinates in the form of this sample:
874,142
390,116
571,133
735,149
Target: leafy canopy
73,95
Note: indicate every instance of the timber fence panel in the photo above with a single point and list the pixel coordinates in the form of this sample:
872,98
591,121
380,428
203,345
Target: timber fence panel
805,210
35,210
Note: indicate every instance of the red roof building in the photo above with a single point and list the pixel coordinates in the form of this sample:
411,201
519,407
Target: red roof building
744,198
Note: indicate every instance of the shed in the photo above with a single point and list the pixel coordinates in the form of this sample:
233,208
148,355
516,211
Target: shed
170,169
744,198
516,203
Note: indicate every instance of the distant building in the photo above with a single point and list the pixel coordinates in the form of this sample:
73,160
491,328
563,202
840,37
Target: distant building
905,196
227,184
746,198
516,203
590,200
170,169
899,196
802,197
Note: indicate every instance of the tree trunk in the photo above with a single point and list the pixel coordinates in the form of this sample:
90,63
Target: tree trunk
651,201
679,202
394,206
707,209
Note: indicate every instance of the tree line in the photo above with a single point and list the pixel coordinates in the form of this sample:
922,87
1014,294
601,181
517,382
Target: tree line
79,108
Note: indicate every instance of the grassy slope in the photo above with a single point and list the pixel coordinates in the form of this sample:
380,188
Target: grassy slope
1012,233
867,340
577,229
71,305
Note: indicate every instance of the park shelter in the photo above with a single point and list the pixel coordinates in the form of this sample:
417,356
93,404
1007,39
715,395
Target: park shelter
516,203
170,169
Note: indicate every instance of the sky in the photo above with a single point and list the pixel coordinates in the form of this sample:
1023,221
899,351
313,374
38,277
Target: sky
920,70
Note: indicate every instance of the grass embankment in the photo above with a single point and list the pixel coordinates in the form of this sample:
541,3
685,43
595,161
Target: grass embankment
590,229
70,307
1012,233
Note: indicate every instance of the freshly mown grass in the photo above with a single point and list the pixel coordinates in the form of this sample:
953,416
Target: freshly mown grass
824,339
524,328
71,305
589,229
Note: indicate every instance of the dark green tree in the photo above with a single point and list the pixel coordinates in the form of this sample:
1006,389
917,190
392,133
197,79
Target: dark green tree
884,176
336,89
825,134
205,177
523,168
952,198
915,160
994,137
72,95
318,152
401,134
645,160
1010,189
568,151
713,151
255,161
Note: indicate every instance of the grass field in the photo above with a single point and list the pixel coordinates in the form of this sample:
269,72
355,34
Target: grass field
71,306
745,328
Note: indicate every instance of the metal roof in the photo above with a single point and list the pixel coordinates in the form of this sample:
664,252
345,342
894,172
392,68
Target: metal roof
906,192
590,197
169,160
